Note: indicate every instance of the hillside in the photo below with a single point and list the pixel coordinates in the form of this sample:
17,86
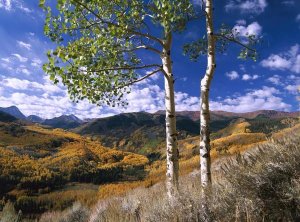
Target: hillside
144,133
36,162
136,132
221,115
39,166
261,185
5,117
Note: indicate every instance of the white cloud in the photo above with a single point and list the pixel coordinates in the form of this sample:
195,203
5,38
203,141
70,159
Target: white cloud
15,83
36,63
248,6
252,29
6,4
232,75
247,77
23,84
21,58
24,45
7,60
143,97
265,98
186,102
276,62
284,61
293,89
275,80
11,5
146,97
24,8
298,18
25,71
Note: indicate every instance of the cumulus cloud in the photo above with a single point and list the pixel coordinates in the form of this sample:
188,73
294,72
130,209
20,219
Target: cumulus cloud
298,18
265,98
241,29
284,61
24,45
23,84
293,89
232,75
247,7
275,79
247,77
143,97
32,98
276,62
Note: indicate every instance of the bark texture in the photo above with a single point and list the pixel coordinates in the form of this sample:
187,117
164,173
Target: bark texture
171,133
205,161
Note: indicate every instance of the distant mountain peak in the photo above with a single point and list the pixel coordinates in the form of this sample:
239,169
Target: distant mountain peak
70,117
35,119
64,121
14,111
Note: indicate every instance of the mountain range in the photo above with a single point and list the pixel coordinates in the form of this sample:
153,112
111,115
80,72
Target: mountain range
144,133
64,121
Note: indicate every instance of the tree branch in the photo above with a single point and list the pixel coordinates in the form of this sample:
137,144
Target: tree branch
143,47
235,41
116,25
126,68
144,77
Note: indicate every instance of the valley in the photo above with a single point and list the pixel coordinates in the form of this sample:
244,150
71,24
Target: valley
44,168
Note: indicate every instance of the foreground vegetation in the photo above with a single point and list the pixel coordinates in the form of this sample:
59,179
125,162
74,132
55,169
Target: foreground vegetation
269,173
44,170
261,185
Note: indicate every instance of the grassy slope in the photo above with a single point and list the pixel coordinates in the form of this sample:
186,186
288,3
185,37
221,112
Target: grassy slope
262,185
37,161
65,151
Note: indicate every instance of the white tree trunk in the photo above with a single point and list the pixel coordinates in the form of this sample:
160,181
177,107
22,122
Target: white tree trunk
205,161
171,133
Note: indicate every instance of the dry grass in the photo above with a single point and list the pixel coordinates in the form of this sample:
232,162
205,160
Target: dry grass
261,185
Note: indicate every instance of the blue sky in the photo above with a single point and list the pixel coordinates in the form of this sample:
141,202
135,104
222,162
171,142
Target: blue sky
238,86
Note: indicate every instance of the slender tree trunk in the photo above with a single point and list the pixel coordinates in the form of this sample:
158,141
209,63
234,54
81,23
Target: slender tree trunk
205,161
171,133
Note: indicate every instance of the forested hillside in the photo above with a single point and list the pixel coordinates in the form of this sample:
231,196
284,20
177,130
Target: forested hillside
35,161
40,165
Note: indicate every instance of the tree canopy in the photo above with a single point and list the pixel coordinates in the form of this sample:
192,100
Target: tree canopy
98,42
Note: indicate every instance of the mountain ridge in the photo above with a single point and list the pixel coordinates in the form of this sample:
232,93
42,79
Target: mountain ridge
220,114
13,111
